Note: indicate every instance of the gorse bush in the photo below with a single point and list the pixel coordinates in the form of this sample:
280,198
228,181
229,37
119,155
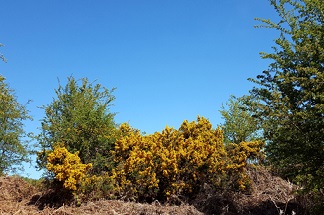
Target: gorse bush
67,167
238,156
177,162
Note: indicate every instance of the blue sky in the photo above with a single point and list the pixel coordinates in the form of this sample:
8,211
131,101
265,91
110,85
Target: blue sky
170,60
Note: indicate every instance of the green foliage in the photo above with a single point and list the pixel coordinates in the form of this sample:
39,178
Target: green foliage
80,119
13,149
239,123
291,92
96,187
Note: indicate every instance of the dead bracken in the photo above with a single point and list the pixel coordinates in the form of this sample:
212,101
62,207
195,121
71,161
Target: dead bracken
269,195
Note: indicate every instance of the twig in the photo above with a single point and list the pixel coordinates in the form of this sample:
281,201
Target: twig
17,212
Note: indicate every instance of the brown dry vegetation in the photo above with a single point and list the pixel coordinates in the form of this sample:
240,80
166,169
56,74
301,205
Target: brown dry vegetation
19,197
268,194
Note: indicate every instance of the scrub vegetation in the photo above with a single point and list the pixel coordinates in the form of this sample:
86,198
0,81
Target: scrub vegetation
267,157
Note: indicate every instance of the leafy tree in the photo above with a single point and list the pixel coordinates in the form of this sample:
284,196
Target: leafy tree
291,92
239,125
13,149
80,119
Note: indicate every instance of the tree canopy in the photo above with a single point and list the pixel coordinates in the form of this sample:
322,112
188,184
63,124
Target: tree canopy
239,124
291,92
13,146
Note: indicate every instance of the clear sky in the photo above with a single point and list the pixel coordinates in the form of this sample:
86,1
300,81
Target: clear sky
170,60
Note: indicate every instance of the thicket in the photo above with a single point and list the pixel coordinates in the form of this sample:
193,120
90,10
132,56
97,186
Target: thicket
163,166
179,162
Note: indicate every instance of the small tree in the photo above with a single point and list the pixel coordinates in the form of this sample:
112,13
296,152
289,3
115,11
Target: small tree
239,125
13,149
291,92
80,118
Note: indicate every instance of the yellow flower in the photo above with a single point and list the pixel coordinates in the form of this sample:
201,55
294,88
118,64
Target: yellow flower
67,167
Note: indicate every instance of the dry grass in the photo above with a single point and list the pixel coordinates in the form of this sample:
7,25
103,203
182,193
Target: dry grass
19,197
109,207
269,194
14,188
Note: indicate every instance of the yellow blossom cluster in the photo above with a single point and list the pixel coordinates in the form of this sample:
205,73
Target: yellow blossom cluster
170,162
238,156
67,167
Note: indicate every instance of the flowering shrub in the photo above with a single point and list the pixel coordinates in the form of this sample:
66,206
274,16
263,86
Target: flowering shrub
237,157
161,165
169,163
67,167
